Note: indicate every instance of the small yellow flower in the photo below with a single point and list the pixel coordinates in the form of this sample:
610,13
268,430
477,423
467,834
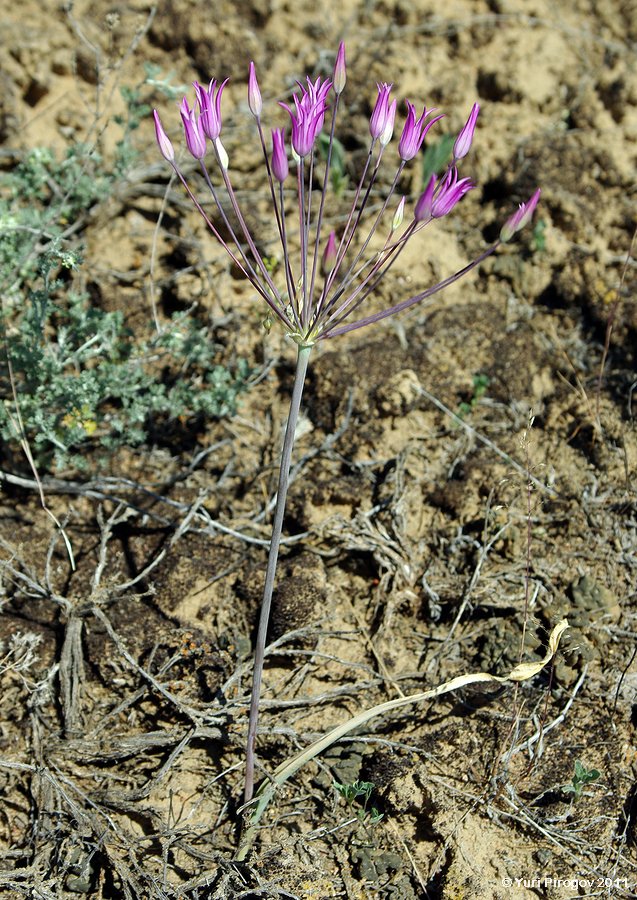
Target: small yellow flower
79,418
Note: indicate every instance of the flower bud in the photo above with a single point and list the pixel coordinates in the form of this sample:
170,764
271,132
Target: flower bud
464,139
254,94
222,154
340,73
388,130
280,167
329,255
163,141
380,114
424,206
520,218
398,215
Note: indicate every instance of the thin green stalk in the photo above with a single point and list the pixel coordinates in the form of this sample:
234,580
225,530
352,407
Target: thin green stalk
275,542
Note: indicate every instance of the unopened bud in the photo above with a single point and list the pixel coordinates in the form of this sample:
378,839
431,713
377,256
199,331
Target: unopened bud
280,167
424,206
398,215
380,113
340,73
329,255
254,94
464,139
221,153
163,141
388,130
521,217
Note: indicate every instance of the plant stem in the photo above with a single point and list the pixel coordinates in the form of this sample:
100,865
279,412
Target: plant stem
275,542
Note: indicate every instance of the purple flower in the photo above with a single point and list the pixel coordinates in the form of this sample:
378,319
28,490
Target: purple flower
165,147
381,114
448,192
414,132
309,115
464,139
280,167
195,137
424,206
254,94
440,198
315,98
339,76
520,218
210,107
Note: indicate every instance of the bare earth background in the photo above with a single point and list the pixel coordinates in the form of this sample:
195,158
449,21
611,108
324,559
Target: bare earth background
428,549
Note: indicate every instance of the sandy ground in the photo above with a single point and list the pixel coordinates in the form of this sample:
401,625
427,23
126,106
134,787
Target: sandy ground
430,545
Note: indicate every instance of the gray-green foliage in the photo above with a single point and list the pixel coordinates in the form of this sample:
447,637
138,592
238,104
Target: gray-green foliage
42,203
538,237
357,796
44,199
80,376
480,386
581,778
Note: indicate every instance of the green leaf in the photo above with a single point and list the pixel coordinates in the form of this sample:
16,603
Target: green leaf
436,157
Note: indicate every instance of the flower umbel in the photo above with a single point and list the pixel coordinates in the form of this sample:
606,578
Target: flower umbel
361,253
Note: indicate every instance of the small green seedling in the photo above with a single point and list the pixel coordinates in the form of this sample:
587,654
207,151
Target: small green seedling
271,264
480,385
360,791
581,778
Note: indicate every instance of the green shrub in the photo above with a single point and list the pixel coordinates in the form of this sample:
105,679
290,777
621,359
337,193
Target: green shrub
82,377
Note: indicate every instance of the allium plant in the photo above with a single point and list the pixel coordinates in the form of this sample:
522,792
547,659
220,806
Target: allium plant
328,279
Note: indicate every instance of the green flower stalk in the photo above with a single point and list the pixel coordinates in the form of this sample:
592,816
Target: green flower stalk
323,290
